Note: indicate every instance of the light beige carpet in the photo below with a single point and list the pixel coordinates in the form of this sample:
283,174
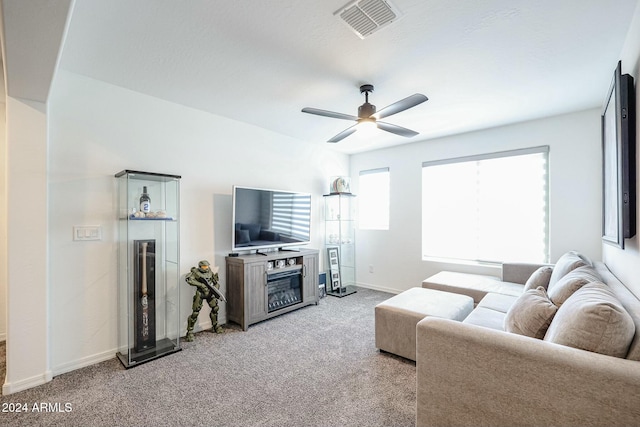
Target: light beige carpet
317,366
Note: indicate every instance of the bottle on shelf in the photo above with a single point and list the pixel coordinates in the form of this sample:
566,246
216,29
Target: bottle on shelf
145,201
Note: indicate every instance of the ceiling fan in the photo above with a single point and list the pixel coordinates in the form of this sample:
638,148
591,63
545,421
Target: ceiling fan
367,114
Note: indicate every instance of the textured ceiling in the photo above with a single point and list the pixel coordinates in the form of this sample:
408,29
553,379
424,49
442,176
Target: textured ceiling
481,63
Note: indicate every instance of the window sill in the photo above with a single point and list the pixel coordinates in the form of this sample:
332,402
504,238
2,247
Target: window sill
463,265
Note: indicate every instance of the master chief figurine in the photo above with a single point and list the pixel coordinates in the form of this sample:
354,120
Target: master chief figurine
207,288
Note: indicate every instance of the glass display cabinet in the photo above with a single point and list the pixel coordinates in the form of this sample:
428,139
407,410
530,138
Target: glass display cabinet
148,266
340,240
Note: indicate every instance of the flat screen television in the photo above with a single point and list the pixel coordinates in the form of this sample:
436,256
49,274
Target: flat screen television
619,160
267,219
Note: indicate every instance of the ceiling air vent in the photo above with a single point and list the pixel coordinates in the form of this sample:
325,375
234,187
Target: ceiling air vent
365,17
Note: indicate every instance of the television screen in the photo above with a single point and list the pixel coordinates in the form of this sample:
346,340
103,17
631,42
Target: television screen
269,218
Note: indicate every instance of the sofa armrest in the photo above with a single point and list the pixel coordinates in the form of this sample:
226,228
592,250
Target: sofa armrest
518,272
470,375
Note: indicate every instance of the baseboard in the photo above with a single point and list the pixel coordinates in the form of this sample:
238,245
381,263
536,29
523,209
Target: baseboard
84,362
202,326
378,288
14,387
206,324
110,354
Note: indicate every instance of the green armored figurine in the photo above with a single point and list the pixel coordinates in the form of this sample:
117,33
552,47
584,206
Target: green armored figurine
207,288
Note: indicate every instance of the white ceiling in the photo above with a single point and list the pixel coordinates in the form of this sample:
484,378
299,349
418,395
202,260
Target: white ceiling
31,35
482,63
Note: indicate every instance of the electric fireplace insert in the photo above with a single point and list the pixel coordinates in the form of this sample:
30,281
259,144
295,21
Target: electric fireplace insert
284,289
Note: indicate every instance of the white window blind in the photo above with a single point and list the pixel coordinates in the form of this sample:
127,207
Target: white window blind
489,208
373,199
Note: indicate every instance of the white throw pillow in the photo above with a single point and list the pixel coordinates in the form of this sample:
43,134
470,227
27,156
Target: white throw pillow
540,277
567,262
593,319
571,282
531,314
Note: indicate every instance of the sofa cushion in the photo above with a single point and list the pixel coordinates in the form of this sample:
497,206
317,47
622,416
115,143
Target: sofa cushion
540,277
567,262
628,300
531,314
571,282
593,319
473,285
482,316
254,230
498,302
242,236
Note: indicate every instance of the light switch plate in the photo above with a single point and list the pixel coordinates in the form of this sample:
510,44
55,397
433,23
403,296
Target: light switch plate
87,232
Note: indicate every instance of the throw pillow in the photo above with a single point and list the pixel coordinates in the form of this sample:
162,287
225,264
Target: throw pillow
567,262
531,314
242,236
571,282
254,230
593,319
540,277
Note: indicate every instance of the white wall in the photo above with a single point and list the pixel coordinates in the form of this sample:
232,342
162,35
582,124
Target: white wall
3,218
575,194
27,260
625,264
97,130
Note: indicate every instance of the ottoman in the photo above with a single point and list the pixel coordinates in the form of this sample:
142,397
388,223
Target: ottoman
397,317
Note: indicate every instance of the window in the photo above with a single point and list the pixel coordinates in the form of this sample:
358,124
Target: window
490,208
373,200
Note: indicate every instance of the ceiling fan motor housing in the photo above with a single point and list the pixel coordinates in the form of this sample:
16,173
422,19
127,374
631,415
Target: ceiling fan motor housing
366,110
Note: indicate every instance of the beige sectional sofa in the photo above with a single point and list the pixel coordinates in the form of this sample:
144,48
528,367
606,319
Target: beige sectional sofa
567,354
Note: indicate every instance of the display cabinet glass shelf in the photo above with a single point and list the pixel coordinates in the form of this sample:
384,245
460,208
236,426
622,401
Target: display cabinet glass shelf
340,240
148,266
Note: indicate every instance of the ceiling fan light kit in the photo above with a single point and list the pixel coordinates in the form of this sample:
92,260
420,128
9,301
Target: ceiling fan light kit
368,122
368,116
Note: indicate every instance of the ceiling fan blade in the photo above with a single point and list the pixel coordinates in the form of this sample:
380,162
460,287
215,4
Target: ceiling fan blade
331,114
403,104
398,130
345,133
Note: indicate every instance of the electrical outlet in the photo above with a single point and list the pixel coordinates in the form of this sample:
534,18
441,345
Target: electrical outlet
370,268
